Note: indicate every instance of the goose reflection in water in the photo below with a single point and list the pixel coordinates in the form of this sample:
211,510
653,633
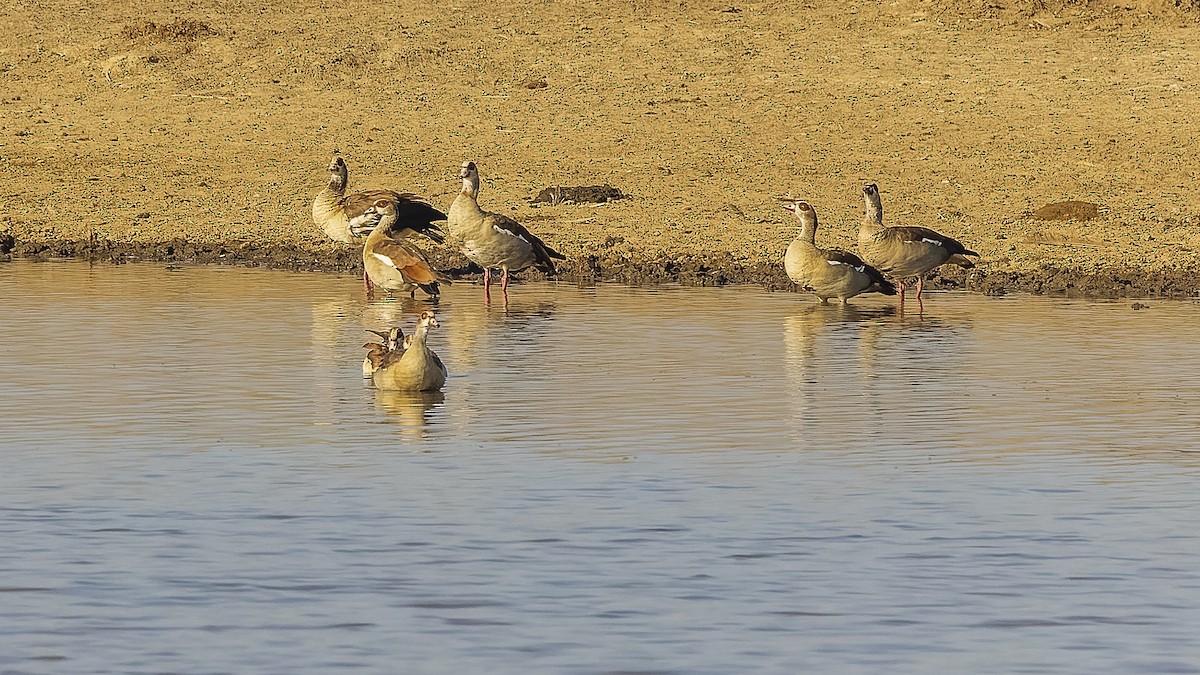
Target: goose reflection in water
830,357
390,311
474,322
876,375
803,329
412,411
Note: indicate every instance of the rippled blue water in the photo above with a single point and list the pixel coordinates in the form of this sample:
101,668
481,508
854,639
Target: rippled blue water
197,480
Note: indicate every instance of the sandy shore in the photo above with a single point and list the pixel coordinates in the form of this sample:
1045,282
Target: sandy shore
203,136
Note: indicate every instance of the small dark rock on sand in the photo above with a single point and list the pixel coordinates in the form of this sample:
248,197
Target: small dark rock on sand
584,194
1069,210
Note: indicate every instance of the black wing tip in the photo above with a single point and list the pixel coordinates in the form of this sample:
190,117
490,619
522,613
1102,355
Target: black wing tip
431,288
428,229
435,233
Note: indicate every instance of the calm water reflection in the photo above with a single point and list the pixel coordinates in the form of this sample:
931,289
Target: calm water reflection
197,479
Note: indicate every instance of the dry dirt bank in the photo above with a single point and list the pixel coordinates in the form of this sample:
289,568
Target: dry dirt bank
204,134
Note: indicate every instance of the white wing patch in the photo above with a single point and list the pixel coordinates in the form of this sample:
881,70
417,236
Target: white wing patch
927,240
510,233
862,268
386,260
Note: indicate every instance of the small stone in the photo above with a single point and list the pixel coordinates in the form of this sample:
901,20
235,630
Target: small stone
1068,210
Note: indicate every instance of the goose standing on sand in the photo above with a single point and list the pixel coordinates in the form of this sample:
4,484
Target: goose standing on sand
418,368
827,273
394,263
491,240
903,252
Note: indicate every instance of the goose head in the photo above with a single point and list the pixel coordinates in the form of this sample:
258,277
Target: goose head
469,174
807,216
873,205
428,320
802,209
382,212
338,173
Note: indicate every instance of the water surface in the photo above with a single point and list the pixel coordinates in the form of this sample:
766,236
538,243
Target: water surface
671,480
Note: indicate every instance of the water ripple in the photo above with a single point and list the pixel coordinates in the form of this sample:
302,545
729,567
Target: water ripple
614,481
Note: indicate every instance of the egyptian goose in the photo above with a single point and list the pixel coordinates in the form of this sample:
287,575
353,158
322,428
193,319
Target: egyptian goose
492,240
828,273
343,219
393,262
903,252
393,345
418,368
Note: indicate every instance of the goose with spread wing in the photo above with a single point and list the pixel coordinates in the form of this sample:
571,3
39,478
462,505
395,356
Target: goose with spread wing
417,368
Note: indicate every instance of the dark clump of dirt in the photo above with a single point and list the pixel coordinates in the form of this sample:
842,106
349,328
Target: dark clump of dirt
175,31
585,194
1108,283
1068,210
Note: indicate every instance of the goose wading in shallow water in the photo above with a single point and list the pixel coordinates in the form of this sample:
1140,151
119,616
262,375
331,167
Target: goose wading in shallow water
827,273
492,240
344,216
417,368
903,252
395,263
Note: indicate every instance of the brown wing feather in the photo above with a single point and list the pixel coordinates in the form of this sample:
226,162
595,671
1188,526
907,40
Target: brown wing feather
409,260
376,354
916,234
